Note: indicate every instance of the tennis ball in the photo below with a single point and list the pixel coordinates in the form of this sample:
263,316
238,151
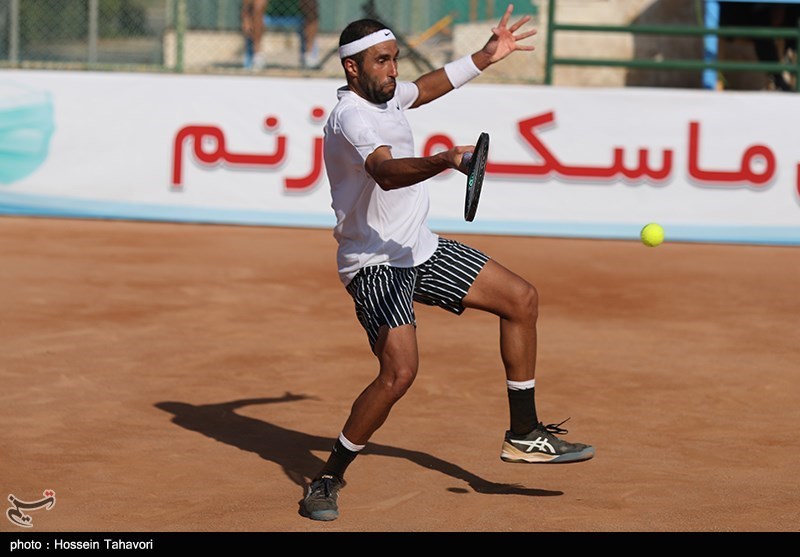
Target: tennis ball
652,235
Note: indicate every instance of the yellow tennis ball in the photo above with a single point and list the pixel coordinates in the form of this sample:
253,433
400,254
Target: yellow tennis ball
652,235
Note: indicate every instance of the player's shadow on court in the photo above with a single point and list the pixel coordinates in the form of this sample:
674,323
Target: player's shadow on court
292,450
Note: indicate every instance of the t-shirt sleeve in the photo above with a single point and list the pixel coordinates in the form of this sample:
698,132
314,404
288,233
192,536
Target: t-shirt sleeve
360,129
406,93
360,132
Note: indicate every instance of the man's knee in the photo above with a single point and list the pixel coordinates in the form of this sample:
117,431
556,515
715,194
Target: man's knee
396,350
398,378
527,301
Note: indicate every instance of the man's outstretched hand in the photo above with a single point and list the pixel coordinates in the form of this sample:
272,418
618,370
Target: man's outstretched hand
506,40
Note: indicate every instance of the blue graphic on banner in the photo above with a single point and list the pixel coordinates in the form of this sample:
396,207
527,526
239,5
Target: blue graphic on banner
26,126
20,204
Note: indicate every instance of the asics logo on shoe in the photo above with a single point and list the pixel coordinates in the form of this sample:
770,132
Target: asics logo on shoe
540,444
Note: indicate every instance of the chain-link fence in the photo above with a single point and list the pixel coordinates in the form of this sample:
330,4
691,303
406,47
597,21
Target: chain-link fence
283,37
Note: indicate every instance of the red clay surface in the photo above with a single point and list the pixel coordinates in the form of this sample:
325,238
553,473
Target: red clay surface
165,377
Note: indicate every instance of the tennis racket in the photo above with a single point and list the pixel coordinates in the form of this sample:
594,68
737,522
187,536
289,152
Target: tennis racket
475,173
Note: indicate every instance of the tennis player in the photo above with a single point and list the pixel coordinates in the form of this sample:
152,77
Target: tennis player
388,258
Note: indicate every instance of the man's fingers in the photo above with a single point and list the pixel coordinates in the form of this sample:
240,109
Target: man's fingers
463,154
520,23
506,16
525,35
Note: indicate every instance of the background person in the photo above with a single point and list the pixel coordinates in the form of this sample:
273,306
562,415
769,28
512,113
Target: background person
261,15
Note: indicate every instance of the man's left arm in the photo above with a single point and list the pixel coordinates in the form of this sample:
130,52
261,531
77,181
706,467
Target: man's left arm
504,41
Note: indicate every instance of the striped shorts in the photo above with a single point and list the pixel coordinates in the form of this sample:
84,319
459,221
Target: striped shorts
385,295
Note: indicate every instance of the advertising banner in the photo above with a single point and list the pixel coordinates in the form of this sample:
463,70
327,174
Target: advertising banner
568,162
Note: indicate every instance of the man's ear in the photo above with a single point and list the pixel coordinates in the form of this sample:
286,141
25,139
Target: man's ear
351,68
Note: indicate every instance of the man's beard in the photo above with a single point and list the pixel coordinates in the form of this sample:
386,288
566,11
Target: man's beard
377,94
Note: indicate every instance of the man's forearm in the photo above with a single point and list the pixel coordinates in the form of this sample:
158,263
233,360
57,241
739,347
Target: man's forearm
437,83
481,60
391,174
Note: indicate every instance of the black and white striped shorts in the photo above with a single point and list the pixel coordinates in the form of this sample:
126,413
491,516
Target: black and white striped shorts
385,295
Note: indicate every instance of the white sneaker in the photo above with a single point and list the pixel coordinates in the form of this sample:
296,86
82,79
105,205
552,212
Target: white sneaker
259,61
541,446
311,58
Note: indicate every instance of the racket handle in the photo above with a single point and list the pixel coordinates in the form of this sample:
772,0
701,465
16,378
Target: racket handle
466,157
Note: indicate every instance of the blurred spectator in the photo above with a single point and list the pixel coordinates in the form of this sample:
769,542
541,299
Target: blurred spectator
765,14
299,15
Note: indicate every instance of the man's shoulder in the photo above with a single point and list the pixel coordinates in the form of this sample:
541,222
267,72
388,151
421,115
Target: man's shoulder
406,84
345,99
342,109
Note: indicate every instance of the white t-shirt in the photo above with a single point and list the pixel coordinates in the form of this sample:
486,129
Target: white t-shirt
373,226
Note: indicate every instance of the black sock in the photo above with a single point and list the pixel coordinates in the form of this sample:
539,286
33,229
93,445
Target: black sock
340,459
523,411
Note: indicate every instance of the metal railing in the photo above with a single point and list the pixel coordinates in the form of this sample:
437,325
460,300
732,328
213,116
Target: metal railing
551,60
207,36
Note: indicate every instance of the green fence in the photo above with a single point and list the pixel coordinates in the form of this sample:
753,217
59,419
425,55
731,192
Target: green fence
668,30
206,35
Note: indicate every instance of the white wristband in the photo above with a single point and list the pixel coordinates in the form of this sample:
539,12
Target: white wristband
461,71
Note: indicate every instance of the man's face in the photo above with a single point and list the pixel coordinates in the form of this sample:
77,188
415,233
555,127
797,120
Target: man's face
377,76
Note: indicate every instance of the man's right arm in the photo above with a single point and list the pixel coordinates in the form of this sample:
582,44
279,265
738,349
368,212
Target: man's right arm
388,172
392,174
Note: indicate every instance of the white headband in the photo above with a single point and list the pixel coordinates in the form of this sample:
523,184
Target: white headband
364,43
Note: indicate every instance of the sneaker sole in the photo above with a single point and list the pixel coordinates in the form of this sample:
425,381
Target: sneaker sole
324,515
512,454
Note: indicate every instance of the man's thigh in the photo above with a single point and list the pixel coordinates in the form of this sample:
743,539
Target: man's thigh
497,290
396,349
383,299
445,278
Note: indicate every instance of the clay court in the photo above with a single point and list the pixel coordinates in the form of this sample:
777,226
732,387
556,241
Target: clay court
177,377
